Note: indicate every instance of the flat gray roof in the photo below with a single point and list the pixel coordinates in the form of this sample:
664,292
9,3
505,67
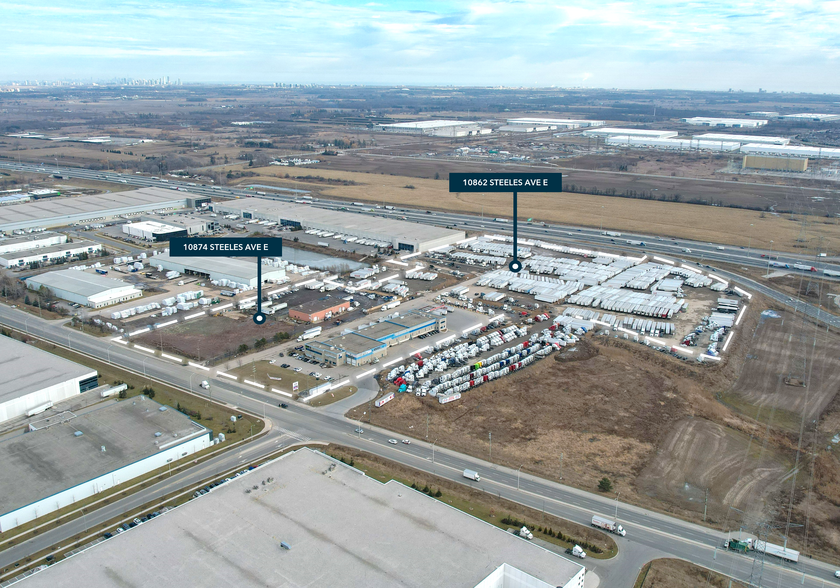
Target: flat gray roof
341,221
355,343
31,237
246,269
51,249
319,305
49,460
412,319
382,329
343,528
77,282
53,210
27,369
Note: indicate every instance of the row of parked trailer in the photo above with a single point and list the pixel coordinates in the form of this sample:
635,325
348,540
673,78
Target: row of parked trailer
129,312
615,299
655,328
418,275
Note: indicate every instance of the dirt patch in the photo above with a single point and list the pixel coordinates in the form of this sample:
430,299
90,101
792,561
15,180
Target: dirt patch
700,460
784,353
676,573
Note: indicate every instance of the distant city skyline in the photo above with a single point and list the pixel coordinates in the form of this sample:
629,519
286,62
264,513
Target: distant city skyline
776,45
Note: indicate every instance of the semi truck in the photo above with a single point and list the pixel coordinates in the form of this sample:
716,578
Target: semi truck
804,268
472,475
501,220
779,551
608,525
611,234
577,551
310,334
739,546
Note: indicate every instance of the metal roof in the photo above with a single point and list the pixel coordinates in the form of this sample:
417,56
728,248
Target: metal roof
429,124
52,211
27,369
245,269
742,138
78,282
39,251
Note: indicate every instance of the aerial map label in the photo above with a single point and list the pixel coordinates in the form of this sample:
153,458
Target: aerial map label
224,247
505,182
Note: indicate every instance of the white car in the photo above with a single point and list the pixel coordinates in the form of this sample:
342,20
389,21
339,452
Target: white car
406,441
837,574
392,441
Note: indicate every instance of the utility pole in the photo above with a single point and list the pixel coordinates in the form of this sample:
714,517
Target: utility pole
427,427
491,447
561,465
705,505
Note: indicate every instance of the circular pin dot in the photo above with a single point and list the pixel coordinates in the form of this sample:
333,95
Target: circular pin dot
259,318
515,266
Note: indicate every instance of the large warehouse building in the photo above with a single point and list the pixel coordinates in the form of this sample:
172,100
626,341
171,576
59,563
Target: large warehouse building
33,241
555,123
615,132
791,151
71,457
437,128
319,310
401,234
309,520
153,231
742,138
84,288
240,271
50,254
58,212
371,342
673,144
33,378
725,122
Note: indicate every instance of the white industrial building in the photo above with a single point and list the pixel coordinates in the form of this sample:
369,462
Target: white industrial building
70,457
612,132
764,114
554,123
50,254
32,241
673,144
306,519
791,151
523,128
725,122
33,378
402,235
62,211
811,117
153,231
240,271
742,138
84,288
437,128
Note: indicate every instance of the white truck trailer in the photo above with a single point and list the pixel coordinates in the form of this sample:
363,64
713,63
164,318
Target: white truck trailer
310,334
779,551
608,525
472,475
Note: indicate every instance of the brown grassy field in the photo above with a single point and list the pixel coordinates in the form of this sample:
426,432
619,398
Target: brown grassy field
690,221
677,573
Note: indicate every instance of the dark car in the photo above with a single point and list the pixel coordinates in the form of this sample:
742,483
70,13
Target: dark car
280,354
106,536
132,524
284,405
125,526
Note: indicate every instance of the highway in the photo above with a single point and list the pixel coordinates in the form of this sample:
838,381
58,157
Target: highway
650,535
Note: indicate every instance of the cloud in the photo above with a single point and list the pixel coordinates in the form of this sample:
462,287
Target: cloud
492,42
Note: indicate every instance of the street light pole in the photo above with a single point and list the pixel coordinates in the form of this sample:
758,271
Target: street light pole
616,505
433,451
749,243
517,476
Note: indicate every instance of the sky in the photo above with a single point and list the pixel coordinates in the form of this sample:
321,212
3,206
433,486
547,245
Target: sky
777,45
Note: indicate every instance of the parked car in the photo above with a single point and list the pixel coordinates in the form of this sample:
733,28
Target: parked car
284,405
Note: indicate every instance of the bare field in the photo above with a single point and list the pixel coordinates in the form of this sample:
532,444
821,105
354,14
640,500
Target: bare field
699,456
785,354
690,221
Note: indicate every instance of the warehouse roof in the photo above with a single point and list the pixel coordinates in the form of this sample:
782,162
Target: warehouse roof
555,121
155,227
75,281
319,305
74,246
355,343
631,132
742,138
347,222
30,238
27,369
245,269
51,459
96,206
358,532
429,124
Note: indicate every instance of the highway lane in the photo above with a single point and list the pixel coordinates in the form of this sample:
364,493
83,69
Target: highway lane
651,532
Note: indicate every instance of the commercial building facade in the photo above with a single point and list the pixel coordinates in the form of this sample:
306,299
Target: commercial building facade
615,132
33,378
371,342
72,457
402,235
84,288
50,254
153,231
319,310
32,241
725,122
673,144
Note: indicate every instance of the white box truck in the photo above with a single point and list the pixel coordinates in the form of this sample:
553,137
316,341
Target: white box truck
310,334
205,384
608,525
472,475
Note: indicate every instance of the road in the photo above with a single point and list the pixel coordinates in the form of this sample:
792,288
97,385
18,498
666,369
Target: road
650,534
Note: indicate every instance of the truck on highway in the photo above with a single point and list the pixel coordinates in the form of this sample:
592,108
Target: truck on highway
501,220
804,268
205,384
576,551
608,525
310,334
640,243
611,234
472,475
739,546
779,551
